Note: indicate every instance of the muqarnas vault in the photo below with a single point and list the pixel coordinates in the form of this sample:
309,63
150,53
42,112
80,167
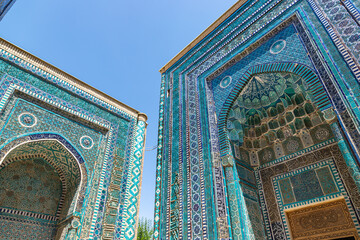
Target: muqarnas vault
259,126
70,156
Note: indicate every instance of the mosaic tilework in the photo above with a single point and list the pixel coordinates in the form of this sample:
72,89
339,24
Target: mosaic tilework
133,200
307,185
19,229
36,103
350,34
41,194
67,167
196,165
158,162
328,166
235,199
348,156
287,193
262,54
256,223
35,191
56,157
219,189
50,147
304,161
321,99
270,36
38,78
326,180
48,122
352,9
345,26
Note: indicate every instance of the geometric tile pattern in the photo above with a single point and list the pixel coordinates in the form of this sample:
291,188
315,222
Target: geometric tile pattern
30,188
322,170
133,200
29,153
42,197
342,25
159,184
43,108
311,79
306,186
19,229
200,87
67,167
293,52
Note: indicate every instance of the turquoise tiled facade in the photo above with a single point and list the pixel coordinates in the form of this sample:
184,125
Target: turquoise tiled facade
257,109
71,157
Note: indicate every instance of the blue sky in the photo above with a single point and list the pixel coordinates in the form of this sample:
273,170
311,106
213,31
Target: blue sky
116,46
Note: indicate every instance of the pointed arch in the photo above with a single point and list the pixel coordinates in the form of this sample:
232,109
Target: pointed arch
61,155
316,88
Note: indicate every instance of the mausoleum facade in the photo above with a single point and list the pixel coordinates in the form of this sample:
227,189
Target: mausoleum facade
70,156
259,126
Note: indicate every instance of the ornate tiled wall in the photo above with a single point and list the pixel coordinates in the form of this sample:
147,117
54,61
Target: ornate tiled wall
302,177
92,143
209,184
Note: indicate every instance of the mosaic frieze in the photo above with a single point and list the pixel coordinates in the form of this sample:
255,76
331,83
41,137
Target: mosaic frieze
344,23
49,85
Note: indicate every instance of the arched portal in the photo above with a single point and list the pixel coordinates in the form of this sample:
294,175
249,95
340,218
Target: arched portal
39,184
275,115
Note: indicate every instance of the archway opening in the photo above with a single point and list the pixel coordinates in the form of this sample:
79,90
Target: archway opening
38,185
275,115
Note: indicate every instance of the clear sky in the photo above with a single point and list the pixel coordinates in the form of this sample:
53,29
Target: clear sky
116,46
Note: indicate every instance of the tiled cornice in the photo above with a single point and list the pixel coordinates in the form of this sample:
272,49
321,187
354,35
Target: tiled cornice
50,69
211,28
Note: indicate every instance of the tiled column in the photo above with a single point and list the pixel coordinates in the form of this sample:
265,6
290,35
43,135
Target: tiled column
132,201
238,211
